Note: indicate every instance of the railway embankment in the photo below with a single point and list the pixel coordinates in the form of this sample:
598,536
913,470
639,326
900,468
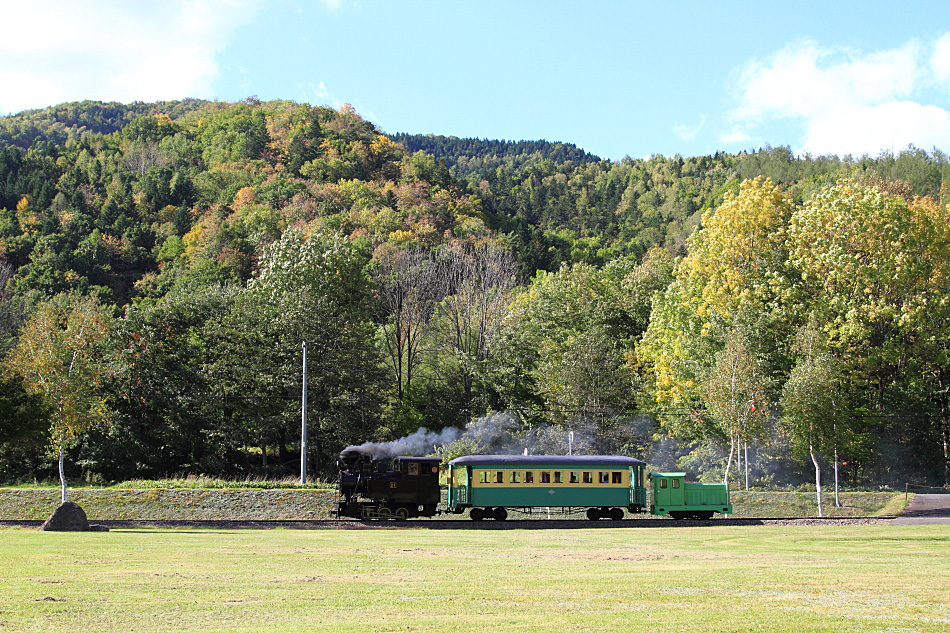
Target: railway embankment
161,504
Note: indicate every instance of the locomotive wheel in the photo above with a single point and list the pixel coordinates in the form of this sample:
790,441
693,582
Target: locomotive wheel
402,514
616,514
384,513
593,514
678,515
500,514
476,514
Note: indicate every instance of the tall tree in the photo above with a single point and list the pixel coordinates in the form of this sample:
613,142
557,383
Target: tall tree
811,401
480,278
410,285
313,289
874,268
735,391
61,355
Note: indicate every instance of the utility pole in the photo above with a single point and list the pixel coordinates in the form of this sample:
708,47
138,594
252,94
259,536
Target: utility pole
303,420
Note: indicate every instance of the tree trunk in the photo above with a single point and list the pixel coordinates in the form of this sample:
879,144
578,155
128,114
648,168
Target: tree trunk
732,447
746,460
946,453
62,473
814,460
739,459
837,500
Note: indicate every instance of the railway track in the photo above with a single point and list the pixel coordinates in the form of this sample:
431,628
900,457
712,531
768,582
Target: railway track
464,524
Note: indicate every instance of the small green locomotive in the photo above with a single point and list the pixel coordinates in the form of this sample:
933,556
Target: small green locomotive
681,500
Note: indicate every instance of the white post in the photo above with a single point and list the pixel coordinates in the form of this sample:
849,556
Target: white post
747,466
303,420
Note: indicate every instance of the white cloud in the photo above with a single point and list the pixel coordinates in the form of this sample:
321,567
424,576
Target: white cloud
847,102
734,136
318,94
62,50
687,132
869,129
940,61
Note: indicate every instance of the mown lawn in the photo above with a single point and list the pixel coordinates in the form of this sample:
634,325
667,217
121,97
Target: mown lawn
801,578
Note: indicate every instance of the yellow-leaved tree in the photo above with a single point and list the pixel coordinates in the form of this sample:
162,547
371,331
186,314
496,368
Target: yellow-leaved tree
61,356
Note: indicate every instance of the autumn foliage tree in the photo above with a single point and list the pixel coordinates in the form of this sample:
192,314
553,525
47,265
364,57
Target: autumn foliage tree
60,355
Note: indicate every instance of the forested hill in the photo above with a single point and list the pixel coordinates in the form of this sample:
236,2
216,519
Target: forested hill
186,250
59,124
468,155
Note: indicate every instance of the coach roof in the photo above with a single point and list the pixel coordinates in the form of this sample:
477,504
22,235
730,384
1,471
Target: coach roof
546,460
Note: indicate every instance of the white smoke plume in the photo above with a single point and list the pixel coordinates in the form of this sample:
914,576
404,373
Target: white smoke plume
496,434
422,442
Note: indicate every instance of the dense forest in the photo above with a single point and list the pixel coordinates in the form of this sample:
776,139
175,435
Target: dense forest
161,265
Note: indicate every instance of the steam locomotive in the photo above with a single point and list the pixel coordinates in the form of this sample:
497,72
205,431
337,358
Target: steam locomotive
400,488
604,486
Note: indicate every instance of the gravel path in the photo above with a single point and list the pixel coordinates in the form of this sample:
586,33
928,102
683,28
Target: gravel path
926,509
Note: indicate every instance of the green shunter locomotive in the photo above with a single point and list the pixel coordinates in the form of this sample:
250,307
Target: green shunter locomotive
673,496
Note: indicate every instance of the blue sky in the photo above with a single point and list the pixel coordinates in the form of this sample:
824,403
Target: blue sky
616,78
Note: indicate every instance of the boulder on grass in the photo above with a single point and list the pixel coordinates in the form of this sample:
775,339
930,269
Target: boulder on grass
68,517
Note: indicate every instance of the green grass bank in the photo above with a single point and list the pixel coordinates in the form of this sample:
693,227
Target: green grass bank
303,504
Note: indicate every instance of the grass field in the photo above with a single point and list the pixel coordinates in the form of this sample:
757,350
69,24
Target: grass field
803,578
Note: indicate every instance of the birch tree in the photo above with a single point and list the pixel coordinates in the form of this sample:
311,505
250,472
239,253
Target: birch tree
61,355
810,400
735,392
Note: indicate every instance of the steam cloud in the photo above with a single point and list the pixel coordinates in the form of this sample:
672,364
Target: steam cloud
417,444
496,434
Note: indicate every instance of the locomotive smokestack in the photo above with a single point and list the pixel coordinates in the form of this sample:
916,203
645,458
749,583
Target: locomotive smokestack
349,459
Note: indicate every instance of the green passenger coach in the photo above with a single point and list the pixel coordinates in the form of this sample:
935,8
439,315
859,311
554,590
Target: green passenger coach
492,484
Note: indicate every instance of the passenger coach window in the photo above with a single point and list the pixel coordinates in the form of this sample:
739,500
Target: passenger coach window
515,477
499,477
545,477
604,477
574,478
616,478
483,477
528,477
588,478
557,477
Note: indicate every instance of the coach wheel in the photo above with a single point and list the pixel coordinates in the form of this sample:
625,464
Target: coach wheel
500,514
477,514
402,514
704,515
593,514
616,514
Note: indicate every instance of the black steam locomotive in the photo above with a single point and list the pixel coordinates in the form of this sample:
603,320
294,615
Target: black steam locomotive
395,488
